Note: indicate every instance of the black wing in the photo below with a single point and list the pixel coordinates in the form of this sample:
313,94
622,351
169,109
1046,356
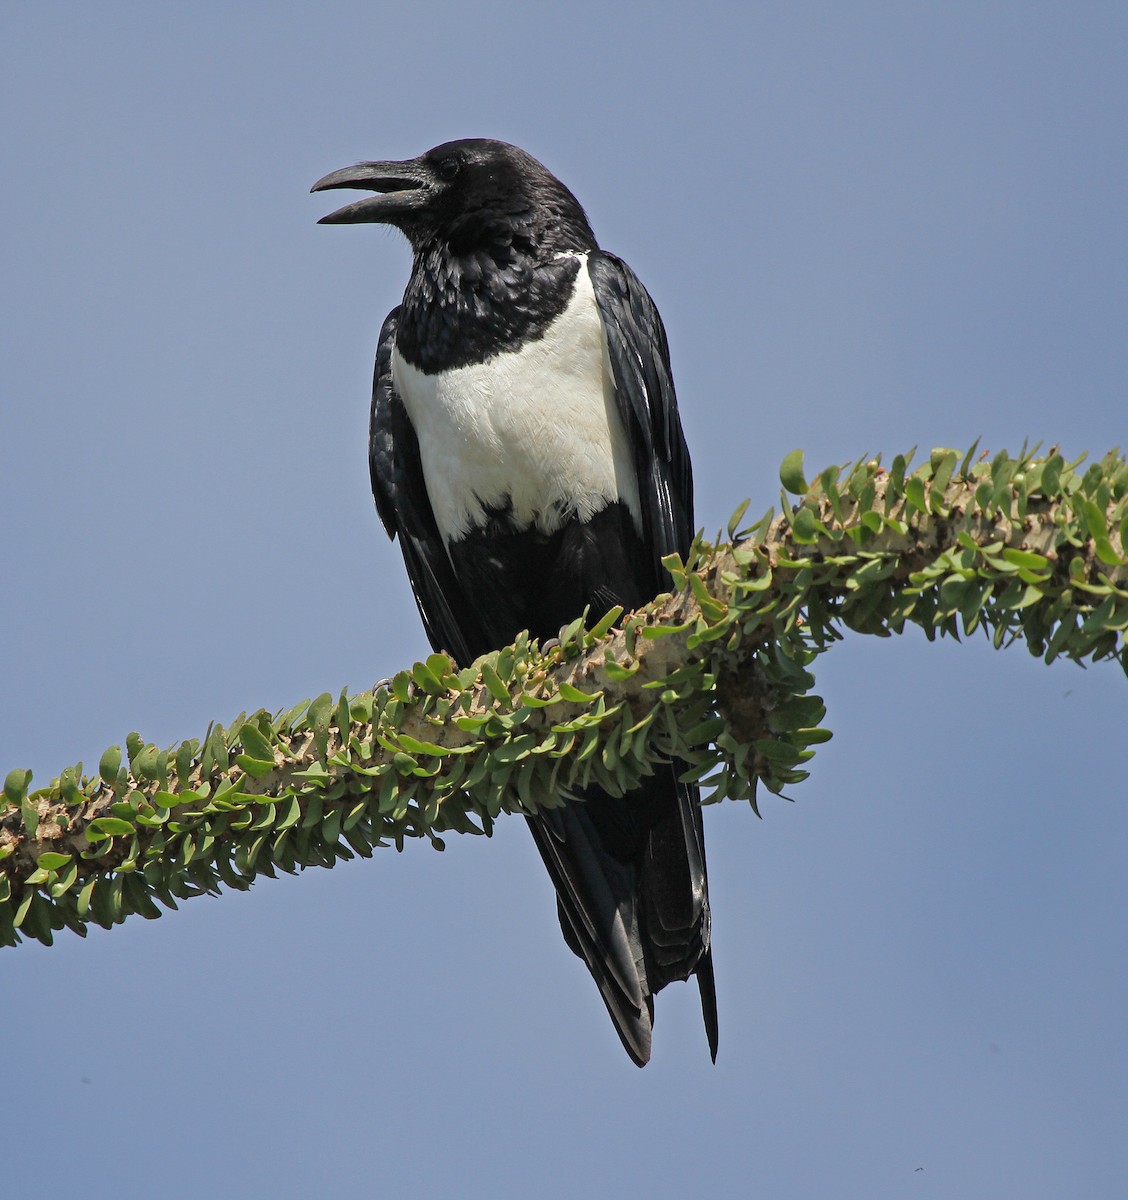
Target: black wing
644,387
401,498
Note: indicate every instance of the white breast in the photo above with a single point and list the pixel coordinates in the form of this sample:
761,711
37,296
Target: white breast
537,430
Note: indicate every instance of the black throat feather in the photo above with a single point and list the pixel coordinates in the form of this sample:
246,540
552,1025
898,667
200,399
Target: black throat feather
489,280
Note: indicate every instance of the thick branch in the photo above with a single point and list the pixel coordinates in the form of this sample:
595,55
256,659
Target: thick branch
714,675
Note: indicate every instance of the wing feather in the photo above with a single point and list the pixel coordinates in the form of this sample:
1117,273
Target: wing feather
400,491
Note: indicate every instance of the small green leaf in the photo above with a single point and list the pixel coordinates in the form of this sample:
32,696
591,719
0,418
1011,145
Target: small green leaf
605,623
493,682
736,518
30,813
15,785
107,827
1026,558
914,493
144,763
342,716
966,464
184,754
51,861
791,473
873,521
439,665
110,765
1095,519
897,473
257,768
134,744
414,746
426,679
943,464
319,712
656,631
573,694
256,744
804,526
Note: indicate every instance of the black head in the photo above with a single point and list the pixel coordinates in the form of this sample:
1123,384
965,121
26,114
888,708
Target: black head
467,194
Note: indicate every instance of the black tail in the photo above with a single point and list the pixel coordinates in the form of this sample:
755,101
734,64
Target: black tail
633,899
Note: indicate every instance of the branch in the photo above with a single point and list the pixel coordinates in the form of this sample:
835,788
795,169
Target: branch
713,675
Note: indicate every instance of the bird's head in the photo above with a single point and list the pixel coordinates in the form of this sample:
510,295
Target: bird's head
467,194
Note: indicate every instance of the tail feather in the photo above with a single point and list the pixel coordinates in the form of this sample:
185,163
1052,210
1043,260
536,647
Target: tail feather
708,989
593,895
629,874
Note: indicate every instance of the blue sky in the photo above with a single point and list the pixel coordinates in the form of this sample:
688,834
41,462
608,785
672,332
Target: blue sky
868,226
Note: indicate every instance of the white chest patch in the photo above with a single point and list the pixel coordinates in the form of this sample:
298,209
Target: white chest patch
536,430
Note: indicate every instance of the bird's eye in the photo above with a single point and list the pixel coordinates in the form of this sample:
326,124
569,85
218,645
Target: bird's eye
449,168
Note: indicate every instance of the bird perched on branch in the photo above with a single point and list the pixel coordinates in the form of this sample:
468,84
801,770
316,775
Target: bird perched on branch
526,450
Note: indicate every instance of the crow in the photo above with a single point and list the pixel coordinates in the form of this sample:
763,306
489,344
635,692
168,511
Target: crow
526,450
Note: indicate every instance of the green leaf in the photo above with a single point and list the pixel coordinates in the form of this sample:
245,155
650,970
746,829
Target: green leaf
145,763
736,518
256,744
656,631
439,665
51,861
15,785
897,473
319,712
134,744
426,679
30,813
331,827
414,746
616,671
943,464
605,624
493,682
966,464
791,473
804,526
110,764
257,768
1095,520
1026,558
64,882
914,493
873,521
107,827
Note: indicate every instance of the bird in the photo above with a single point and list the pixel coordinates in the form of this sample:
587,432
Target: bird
525,449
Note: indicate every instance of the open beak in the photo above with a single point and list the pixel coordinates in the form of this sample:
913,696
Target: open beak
402,186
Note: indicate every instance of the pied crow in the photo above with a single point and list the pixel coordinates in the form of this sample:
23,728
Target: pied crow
526,450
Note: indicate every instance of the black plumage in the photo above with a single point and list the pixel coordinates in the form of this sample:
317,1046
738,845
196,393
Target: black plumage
526,450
